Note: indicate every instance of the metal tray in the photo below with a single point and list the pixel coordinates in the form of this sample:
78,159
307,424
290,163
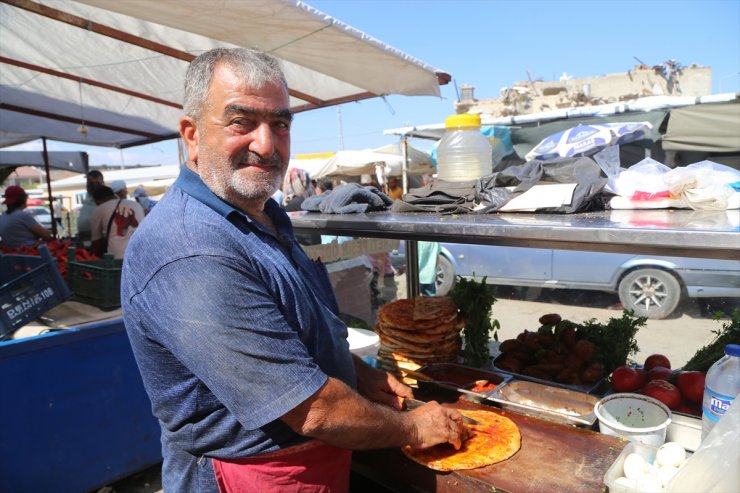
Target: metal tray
589,389
460,376
547,402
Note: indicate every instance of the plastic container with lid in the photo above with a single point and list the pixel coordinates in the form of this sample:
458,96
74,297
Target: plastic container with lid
464,153
722,385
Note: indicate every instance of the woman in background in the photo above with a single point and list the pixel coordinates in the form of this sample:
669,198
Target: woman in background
18,227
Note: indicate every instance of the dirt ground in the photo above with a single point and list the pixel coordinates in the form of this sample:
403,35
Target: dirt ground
678,337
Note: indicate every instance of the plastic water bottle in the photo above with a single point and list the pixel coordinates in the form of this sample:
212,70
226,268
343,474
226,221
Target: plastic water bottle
464,153
722,385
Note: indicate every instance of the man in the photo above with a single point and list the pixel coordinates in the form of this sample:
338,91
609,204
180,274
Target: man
236,332
94,181
395,191
113,222
18,227
119,188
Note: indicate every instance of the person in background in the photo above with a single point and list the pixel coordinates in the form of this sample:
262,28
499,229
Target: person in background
119,188
146,202
395,190
324,185
235,330
297,187
84,229
383,283
113,222
18,228
428,252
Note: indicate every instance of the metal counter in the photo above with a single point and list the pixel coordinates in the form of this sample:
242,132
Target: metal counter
665,232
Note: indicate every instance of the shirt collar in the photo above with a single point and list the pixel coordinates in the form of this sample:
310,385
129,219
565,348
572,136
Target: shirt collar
191,183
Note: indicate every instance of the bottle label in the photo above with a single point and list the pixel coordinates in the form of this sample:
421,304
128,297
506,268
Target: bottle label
717,405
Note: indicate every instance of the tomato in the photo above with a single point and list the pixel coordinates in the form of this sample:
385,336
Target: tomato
658,373
665,392
656,360
691,385
626,379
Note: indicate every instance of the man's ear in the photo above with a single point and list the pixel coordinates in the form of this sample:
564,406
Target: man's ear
190,136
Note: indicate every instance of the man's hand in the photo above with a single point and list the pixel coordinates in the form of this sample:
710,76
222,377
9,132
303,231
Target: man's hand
436,424
380,386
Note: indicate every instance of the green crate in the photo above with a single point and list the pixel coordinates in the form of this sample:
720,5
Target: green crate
95,282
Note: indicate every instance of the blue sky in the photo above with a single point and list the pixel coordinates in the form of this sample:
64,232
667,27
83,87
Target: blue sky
491,44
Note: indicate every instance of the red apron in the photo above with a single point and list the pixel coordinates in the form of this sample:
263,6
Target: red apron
312,467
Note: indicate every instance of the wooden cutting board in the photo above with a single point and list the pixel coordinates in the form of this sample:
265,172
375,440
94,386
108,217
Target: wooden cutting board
553,457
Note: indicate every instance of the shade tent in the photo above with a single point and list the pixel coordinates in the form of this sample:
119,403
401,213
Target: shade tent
707,128
109,73
366,161
708,123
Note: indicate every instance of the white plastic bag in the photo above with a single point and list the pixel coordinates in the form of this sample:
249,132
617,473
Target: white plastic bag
714,466
642,181
703,185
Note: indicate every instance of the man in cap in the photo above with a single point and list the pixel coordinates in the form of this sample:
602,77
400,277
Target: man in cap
119,188
18,227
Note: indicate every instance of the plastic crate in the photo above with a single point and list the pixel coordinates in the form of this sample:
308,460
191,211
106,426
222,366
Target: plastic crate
29,287
95,282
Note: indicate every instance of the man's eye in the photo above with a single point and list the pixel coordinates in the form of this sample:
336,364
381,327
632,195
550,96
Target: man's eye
282,125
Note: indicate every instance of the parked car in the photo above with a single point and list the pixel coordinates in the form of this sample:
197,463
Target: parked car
651,286
42,215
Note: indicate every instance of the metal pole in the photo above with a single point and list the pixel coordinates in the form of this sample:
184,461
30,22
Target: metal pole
412,269
405,154
48,189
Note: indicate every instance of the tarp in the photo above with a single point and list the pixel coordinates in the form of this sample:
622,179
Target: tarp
708,128
110,72
68,161
364,162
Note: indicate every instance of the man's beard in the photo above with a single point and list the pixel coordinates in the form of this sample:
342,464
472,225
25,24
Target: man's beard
229,177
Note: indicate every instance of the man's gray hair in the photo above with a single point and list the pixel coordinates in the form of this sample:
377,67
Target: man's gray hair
255,67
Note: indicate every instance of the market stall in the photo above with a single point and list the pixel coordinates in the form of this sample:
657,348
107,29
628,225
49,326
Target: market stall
554,456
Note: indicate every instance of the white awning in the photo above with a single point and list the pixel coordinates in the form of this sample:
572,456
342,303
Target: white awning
110,72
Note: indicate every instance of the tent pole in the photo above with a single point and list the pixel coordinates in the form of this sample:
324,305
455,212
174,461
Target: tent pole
405,154
48,189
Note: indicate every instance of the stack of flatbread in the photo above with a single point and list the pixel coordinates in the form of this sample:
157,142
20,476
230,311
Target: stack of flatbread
418,332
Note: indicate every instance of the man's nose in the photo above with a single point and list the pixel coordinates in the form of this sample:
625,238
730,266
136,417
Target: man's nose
262,142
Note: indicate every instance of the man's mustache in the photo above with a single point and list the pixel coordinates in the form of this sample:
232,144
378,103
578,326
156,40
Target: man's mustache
252,158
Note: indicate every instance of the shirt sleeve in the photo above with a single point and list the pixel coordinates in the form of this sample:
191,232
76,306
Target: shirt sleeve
95,219
224,324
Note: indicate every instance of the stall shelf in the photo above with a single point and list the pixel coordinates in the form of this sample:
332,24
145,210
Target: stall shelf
679,233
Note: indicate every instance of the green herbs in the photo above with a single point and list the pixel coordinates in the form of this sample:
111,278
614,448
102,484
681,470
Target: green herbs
615,341
474,299
728,334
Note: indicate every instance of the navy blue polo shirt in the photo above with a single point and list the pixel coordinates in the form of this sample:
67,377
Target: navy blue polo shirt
231,327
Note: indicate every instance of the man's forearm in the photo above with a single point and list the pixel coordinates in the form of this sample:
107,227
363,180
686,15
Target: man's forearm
341,417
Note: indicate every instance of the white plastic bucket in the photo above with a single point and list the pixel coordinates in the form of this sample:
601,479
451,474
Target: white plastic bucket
636,417
363,342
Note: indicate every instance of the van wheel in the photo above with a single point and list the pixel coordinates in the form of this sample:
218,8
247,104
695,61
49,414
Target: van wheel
651,293
445,276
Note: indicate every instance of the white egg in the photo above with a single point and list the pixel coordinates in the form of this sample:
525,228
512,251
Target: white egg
670,454
666,473
628,483
649,484
635,466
